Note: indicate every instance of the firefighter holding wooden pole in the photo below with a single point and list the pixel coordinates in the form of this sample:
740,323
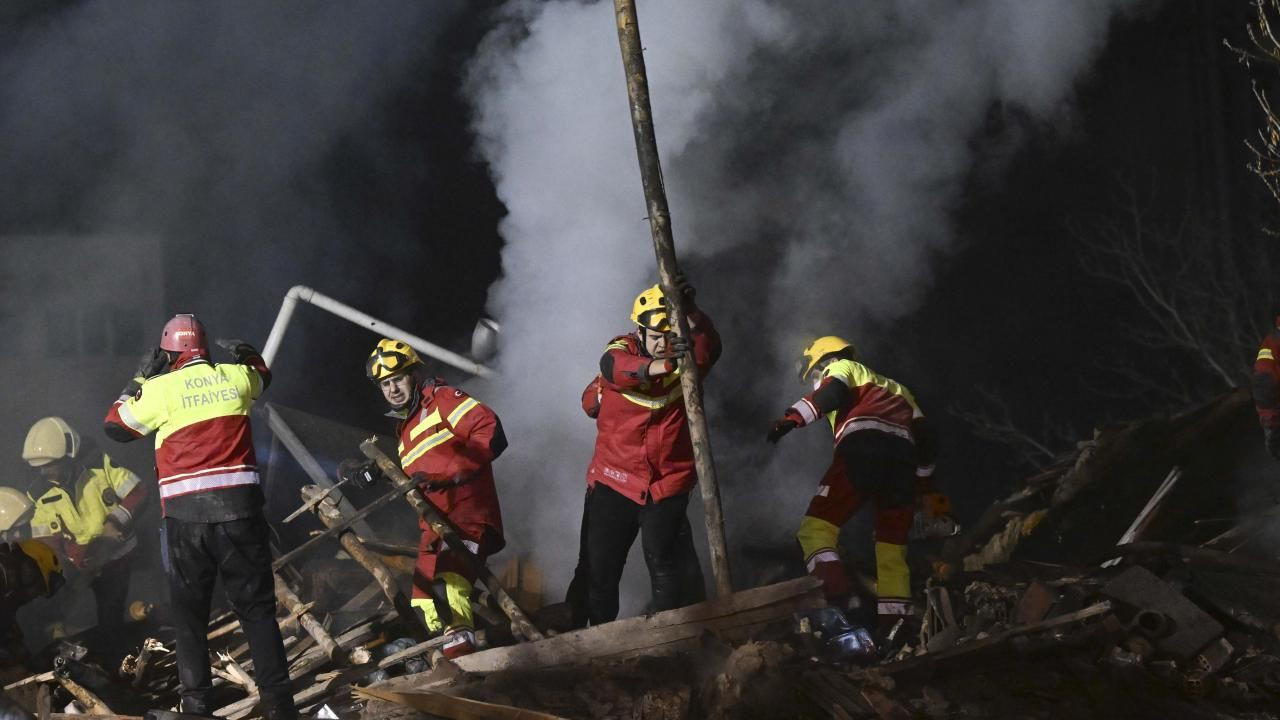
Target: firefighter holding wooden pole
664,246
448,442
643,467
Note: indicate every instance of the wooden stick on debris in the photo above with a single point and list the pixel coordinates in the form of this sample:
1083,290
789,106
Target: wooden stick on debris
655,194
308,622
520,621
91,703
330,513
1143,519
912,663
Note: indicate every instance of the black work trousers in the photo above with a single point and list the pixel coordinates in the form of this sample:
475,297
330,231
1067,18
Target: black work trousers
610,524
194,555
111,590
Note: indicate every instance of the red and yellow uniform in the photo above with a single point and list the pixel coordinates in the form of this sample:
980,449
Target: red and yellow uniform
199,413
448,441
1266,388
643,449
871,418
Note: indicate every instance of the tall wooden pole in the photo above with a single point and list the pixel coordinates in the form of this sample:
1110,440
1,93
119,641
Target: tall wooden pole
655,195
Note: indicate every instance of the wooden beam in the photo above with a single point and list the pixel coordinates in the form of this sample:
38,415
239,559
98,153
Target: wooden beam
736,616
330,514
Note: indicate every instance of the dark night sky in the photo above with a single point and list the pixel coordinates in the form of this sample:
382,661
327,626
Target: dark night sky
1010,310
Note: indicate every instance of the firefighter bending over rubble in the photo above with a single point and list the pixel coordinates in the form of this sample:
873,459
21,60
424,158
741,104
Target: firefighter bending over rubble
642,471
85,507
210,500
448,442
880,438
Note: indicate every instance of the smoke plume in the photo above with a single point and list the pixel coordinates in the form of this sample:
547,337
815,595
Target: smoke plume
813,151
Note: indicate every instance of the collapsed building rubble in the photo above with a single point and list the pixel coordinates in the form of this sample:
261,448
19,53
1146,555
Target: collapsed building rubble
1026,615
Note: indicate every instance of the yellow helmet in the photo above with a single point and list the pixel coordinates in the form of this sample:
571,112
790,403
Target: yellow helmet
650,310
47,561
390,358
50,439
15,508
821,348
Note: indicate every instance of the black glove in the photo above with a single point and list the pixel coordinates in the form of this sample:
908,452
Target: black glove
684,287
781,427
426,484
239,349
153,362
1272,435
677,347
360,472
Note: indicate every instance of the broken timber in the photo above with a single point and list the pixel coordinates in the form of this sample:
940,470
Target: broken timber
313,627
733,617
328,509
928,659
520,621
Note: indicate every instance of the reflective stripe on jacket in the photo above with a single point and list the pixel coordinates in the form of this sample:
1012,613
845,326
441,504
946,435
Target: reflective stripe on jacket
199,413
643,448
77,518
452,439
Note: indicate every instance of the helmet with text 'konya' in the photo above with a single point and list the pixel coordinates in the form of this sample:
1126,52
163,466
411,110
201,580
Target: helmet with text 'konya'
184,334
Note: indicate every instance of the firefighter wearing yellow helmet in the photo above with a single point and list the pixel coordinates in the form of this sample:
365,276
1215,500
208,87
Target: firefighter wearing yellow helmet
28,569
84,508
880,437
448,442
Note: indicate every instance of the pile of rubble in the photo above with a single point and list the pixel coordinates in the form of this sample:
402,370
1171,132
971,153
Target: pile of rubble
1123,582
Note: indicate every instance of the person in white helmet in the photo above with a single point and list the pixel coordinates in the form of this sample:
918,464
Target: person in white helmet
84,508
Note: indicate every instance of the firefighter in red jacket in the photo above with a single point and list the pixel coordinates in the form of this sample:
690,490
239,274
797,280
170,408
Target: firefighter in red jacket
876,422
642,470
1266,388
211,501
448,442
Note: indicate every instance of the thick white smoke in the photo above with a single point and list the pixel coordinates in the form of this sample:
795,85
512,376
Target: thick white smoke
813,152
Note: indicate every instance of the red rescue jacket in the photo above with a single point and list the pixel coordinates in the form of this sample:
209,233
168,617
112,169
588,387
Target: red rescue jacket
453,439
1266,379
642,433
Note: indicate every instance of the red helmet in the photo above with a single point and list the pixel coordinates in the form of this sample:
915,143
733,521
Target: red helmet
182,333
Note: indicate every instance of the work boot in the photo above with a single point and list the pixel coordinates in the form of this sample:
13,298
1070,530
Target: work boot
458,643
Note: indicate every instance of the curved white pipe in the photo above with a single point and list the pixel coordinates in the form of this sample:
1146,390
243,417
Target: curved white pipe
346,312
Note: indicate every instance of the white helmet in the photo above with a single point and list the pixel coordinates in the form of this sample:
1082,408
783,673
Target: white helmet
50,439
15,508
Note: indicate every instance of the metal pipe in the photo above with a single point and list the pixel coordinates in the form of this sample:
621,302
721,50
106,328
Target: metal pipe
655,196
346,312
